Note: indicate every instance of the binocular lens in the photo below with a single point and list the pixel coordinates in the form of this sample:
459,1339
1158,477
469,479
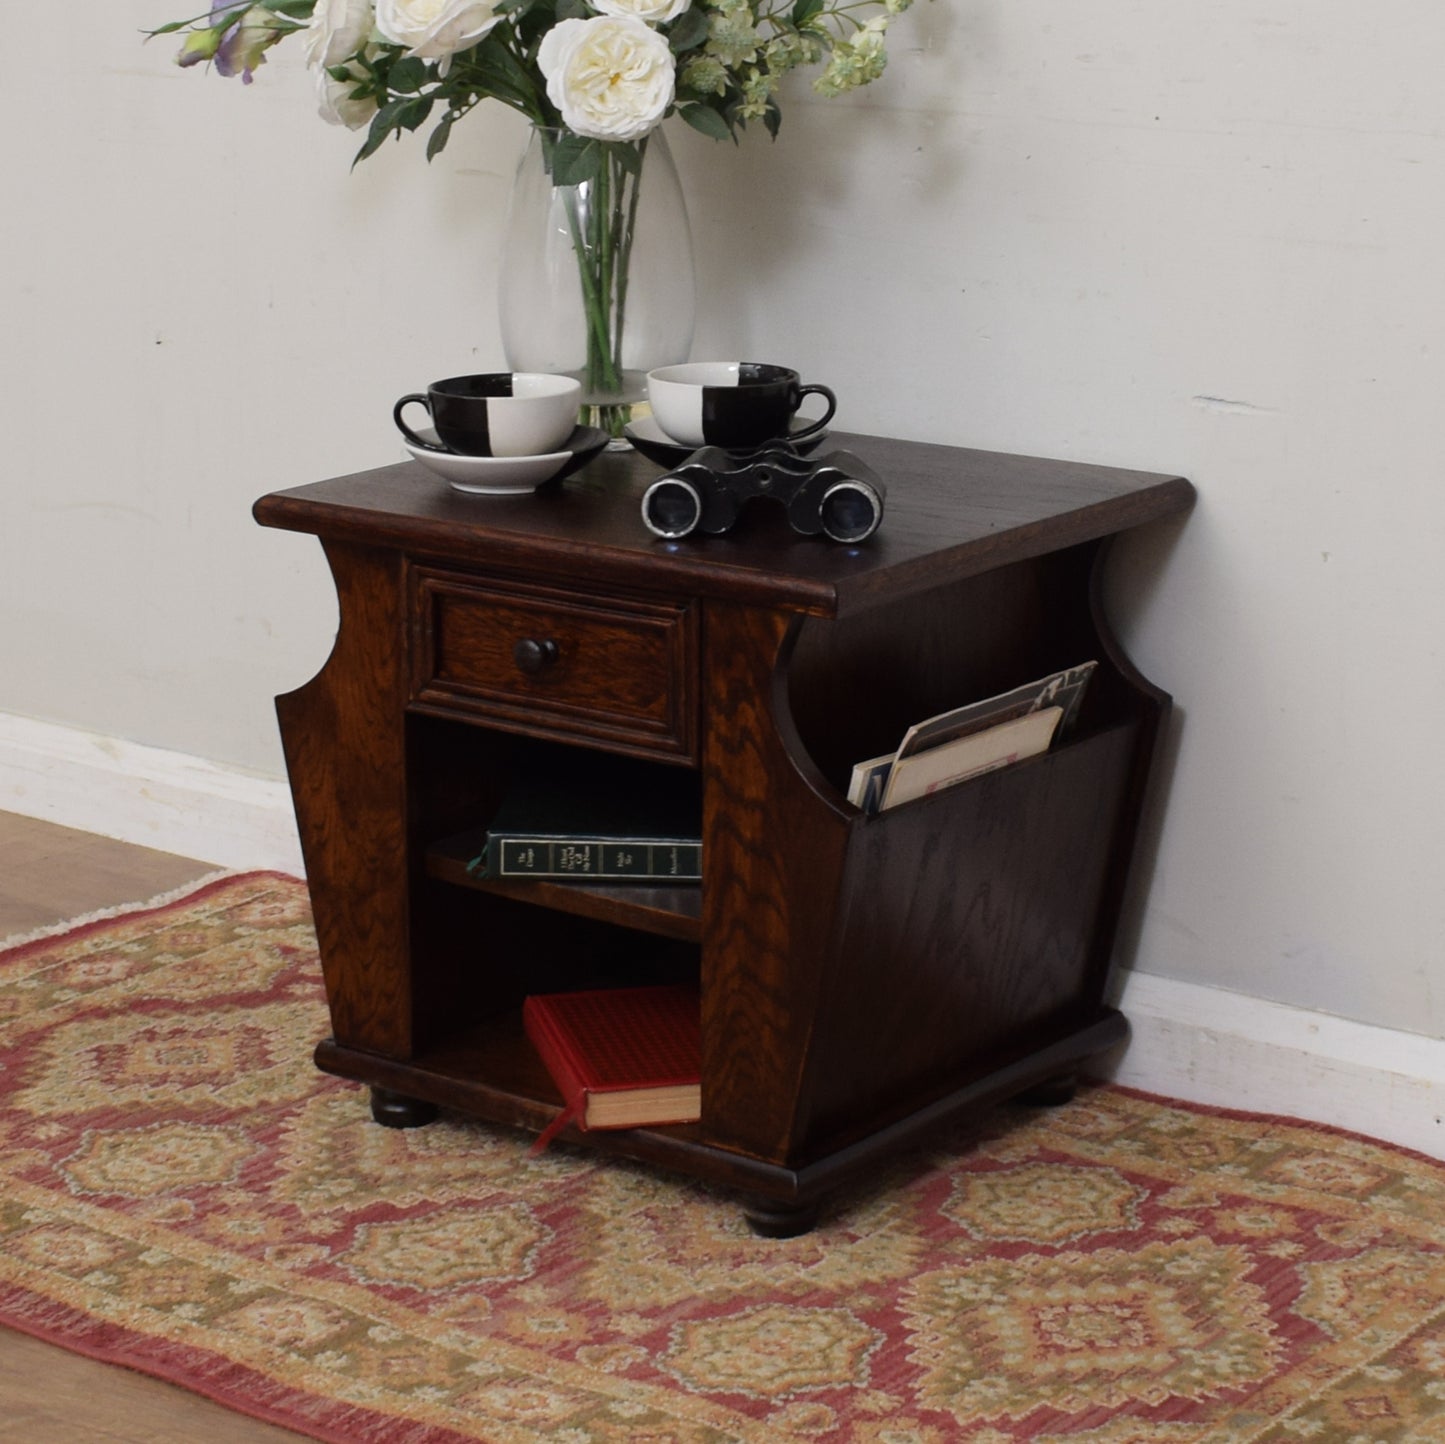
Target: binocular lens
850,511
671,507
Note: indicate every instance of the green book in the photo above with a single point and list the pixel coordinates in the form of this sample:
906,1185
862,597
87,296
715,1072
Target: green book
596,819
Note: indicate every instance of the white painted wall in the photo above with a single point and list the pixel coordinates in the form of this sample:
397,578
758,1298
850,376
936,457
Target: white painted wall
1182,237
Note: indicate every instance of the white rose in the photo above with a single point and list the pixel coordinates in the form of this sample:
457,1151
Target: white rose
659,12
338,29
435,29
612,77
333,100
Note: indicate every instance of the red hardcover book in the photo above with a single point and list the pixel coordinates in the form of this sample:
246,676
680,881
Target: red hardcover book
622,1057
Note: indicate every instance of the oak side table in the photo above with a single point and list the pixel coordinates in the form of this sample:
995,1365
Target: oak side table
865,979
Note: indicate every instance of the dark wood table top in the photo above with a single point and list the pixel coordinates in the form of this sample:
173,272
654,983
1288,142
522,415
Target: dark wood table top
949,512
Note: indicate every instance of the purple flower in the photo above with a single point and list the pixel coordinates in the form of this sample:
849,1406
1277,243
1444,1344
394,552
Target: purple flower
242,46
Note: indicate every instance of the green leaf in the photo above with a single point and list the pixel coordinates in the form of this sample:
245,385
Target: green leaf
391,118
413,112
690,30
296,9
705,119
491,68
407,76
573,10
488,81
381,126
576,159
437,141
806,11
214,20
627,156
501,59
386,117
531,20
773,119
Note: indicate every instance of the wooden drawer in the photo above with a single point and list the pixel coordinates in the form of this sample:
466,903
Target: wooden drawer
615,672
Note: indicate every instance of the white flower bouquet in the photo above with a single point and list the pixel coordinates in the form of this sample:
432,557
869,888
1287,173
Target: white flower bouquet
596,76
606,70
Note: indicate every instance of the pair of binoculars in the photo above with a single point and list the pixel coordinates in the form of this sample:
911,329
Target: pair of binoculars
837,495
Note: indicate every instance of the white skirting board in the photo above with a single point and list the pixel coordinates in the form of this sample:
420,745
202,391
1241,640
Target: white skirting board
146,795
1201,1044
1235,1051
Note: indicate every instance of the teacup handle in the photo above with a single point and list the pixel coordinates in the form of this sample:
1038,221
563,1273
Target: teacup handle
814,427
411,436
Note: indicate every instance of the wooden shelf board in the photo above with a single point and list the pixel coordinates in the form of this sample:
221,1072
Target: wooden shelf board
491,1071
670,912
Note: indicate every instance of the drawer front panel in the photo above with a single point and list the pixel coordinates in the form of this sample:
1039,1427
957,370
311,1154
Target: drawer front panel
551,663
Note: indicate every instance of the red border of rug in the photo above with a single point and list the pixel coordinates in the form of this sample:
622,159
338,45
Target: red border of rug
183,896
232,1385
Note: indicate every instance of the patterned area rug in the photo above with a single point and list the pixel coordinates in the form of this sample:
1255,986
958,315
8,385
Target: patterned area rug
185,1194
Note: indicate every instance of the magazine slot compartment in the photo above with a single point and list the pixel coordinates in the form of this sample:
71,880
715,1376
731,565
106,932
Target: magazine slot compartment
1018,865
959,790
852,687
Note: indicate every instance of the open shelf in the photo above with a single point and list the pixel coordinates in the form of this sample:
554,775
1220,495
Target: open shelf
669,912
490,1069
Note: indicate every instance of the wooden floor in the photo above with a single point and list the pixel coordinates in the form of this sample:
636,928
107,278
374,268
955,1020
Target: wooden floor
49,874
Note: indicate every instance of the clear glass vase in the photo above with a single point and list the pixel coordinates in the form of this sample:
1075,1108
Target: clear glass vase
597,278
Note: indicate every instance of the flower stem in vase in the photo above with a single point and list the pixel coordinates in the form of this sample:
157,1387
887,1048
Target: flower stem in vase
601,215
624,249
597,278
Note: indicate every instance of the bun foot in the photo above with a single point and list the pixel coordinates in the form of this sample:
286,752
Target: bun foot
396,1110
1051,1093
781,1220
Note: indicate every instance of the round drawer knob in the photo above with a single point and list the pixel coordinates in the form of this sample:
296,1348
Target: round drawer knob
532,655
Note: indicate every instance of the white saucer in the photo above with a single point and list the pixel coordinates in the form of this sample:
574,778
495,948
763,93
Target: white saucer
507,475
657,446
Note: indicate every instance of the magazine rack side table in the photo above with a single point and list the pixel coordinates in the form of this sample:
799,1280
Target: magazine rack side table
864,978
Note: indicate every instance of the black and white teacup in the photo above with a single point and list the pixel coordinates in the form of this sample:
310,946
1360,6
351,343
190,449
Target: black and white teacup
732,404
497,413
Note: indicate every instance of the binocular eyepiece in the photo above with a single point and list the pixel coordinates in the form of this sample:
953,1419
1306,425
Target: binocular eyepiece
838,495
